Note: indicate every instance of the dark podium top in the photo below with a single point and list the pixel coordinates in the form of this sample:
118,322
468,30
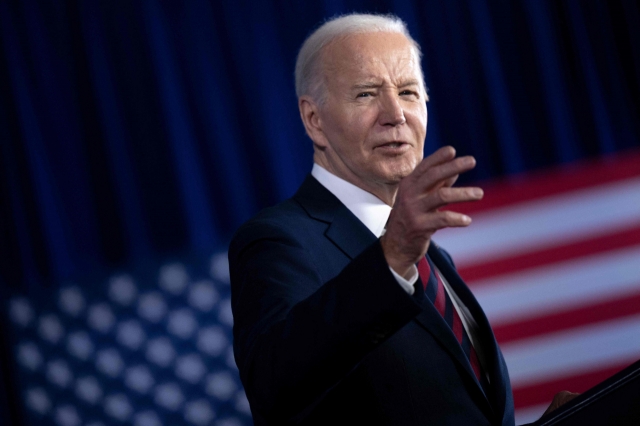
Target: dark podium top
615,401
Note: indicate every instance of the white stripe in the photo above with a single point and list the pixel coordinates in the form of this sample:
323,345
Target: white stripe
543,223
573,352
536,292
530,414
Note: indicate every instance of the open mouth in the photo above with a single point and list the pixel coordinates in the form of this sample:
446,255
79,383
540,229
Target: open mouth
393,145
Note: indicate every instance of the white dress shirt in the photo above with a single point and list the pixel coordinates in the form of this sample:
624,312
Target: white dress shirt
374,214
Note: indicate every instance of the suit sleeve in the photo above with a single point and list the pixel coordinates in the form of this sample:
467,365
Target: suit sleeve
296,337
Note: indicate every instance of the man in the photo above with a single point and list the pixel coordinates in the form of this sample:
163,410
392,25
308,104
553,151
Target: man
332,320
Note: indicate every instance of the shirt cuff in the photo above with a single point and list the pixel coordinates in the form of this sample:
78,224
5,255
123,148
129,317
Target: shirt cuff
407,285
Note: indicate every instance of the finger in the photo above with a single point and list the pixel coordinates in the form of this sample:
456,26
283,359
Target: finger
560,399
446,195
437,175
449,182
442,155
566,396
445,219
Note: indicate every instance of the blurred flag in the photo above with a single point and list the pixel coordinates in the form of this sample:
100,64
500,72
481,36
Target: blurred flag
554,259
149,348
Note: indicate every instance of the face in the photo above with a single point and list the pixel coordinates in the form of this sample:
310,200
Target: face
372,125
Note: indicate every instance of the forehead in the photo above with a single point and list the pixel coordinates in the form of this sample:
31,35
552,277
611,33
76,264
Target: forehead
376,55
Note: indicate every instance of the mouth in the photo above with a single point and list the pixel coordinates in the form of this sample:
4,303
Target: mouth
393,146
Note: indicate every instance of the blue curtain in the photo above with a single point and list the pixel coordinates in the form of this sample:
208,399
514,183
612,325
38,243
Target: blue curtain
136,130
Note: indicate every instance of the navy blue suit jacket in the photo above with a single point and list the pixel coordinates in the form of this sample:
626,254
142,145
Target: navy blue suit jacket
324,335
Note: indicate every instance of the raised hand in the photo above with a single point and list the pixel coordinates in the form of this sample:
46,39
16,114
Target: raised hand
416,216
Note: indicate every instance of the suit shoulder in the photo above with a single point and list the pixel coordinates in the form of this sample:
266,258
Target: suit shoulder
274,222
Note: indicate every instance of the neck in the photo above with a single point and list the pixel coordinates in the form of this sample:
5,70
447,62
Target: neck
385,192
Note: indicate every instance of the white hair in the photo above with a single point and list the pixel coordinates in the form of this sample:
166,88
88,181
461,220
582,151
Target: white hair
308,76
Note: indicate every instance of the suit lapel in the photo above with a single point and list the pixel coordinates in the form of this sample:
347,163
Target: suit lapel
495,368
433,322
344,229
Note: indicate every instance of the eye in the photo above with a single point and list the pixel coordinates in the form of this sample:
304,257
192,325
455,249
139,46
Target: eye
364,95
408,93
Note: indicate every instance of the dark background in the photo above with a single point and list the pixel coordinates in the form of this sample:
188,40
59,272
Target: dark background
135,130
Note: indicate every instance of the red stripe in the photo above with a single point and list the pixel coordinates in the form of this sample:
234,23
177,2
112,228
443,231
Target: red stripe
540,184
560,253
424,270
457,327
543,393
440,302
587,314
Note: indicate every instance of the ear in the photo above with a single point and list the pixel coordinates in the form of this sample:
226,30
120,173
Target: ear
310,115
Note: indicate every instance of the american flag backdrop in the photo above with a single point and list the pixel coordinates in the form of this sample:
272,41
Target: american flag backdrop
554,259
148,347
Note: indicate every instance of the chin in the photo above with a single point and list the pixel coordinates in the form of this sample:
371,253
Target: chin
396,172
395,176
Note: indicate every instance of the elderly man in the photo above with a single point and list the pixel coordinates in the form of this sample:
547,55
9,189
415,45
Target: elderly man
346,312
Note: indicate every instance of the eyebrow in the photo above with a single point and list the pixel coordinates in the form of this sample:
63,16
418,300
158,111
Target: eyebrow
372,85
407,83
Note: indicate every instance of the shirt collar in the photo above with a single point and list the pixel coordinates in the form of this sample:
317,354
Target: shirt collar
369,209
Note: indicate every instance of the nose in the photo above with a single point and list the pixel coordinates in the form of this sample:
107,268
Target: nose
391,112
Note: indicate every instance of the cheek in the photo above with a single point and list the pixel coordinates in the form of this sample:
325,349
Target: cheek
419,154
419,130
346,123
418,115
355,129
364,126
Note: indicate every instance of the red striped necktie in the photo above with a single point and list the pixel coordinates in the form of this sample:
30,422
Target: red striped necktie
442,302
